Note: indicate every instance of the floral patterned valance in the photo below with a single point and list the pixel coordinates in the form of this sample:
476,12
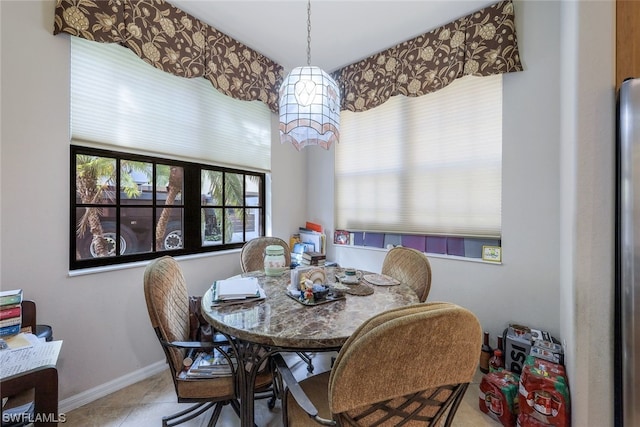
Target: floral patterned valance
174,41
479,44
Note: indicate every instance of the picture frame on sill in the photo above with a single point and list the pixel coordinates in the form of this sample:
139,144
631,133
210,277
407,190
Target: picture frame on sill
492,253
341,237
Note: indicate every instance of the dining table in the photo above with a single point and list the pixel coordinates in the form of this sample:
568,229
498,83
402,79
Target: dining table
280,322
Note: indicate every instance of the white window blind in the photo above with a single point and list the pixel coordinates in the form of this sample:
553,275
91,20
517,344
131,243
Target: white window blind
118,99
425,165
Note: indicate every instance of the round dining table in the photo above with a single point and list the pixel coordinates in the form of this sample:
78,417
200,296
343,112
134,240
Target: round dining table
282,323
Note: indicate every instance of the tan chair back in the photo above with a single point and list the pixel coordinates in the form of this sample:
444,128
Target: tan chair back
252,255
401,352
167,298
411,267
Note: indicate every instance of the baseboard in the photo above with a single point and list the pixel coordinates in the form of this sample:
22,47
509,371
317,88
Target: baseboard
74,402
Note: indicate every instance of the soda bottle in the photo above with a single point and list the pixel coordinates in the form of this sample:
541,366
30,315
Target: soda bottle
496,363
485,354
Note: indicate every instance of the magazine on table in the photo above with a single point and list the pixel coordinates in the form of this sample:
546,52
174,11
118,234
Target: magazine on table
238,290
210,365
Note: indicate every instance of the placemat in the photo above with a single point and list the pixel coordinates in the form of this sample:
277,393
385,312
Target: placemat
380,280
359,289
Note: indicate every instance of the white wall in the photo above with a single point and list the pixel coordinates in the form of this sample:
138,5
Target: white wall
525,288
557,200
101,318
554,256
587,205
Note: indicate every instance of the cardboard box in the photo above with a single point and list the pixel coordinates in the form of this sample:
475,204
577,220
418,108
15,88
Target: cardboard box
548,350
517,346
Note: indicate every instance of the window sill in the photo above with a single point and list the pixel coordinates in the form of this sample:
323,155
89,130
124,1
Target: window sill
119,267
428,254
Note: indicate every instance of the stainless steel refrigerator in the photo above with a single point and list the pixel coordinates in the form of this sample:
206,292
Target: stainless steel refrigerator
627,292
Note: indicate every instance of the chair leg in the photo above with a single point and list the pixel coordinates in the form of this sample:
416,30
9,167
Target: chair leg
188,414
307,359
455,405
236,406
217,409
272,401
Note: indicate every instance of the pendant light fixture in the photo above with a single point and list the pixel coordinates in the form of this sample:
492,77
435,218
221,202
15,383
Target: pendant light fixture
309,104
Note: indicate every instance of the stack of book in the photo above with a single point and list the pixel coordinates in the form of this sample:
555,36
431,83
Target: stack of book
10,312
209,365
313,238
234,291
313,259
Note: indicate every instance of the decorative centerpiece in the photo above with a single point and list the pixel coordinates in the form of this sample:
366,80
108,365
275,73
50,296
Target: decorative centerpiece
309,287
311,276
274,261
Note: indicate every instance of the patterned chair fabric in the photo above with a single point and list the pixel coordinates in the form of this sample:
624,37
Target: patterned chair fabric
411,267
252,255
407,366
167,302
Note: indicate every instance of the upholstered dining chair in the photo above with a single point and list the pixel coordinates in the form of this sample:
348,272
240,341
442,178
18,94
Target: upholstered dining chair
407,366
409,266
252,255
167,302
252,259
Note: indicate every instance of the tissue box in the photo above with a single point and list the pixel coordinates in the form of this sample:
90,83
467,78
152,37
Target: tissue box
544,393
498,396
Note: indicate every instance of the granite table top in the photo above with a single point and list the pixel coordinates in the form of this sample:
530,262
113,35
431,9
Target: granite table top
281,321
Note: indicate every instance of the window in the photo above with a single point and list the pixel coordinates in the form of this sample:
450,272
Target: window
430,165
128,207
205,190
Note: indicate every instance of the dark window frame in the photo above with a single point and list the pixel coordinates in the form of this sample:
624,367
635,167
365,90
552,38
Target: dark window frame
191,204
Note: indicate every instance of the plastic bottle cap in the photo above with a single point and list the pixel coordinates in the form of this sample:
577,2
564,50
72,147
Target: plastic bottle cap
274,250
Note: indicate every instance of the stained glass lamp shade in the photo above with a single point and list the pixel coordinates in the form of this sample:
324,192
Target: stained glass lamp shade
309,108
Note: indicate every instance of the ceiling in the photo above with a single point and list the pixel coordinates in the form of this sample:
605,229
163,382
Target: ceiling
342,32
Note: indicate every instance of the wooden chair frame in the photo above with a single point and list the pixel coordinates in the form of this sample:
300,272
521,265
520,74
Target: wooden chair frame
44,382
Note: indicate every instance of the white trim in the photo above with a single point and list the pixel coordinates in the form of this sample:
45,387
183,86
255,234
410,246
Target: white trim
137,264
88,396
428,254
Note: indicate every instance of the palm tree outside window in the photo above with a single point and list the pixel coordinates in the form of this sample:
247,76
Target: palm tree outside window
128,207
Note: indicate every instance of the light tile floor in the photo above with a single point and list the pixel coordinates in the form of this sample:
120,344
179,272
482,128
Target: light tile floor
145,403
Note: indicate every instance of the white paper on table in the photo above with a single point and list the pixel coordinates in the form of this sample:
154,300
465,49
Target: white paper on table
16,361
23,339
237,288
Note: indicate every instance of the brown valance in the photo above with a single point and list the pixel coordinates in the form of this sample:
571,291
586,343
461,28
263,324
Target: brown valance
176,42
480,44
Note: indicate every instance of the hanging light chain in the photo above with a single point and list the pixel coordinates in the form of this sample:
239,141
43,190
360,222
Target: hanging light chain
309,104
309,33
